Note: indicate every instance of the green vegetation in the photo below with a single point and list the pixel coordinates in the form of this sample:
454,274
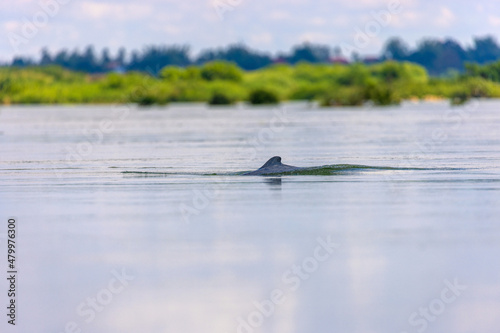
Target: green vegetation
222,83
263,96
220,99
220,70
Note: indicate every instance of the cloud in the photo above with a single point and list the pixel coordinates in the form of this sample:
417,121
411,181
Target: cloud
317,21
169,29
316,37
278,15
108,11
445,18
364,5
494,20
12,26
407,18
6,6
263,39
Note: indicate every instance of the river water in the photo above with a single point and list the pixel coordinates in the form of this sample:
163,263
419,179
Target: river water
138,220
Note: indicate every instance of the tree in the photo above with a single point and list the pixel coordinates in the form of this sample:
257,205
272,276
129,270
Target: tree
485,50
154,58
22,61
396,49
62,58
337,51
120,57
105,59
310,53
239,54
89,61
426,54
438,57
46,58
450,56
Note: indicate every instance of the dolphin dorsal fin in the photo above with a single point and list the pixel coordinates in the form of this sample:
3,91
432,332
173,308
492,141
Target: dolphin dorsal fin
276,160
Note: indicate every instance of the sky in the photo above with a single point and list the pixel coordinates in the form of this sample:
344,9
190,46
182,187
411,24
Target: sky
362,26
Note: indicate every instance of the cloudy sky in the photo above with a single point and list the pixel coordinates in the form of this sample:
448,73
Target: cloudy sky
271,25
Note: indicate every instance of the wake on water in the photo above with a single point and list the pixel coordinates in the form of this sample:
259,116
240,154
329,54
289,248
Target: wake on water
274,167
324,170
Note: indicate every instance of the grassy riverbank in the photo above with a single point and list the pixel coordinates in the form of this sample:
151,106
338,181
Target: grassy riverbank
224,83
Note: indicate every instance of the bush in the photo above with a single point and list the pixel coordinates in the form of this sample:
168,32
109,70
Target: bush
144,97
57,73
478,87
146,100
114,81
391,71
189,91
172,73
381,94
221,70
175,73
263,96
355,74
459,97
309,92
220,99
350,96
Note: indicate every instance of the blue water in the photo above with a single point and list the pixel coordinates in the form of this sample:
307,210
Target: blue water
137,220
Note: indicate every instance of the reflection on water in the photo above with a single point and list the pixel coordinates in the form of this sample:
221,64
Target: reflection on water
151,228
273,182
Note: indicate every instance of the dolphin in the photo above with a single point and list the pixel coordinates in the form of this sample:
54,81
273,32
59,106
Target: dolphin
273,166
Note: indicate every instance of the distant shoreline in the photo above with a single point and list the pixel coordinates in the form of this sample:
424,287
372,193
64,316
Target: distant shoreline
224,83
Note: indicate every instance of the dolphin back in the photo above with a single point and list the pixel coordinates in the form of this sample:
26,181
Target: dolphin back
276,160
273,166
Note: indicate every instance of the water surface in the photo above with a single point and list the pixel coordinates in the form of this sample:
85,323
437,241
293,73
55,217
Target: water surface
156,194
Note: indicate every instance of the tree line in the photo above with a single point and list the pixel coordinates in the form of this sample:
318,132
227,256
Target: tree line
439,57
